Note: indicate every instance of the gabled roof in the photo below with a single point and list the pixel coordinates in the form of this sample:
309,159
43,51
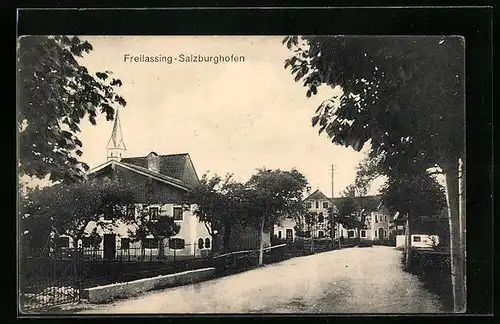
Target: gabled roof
144,172
171,165
316,195
370,202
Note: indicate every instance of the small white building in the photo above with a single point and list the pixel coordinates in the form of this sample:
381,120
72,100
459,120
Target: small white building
419,241
285,230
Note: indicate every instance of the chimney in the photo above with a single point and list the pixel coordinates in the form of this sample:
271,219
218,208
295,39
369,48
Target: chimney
153,162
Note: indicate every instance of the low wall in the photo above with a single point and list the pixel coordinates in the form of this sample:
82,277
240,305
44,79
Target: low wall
103,294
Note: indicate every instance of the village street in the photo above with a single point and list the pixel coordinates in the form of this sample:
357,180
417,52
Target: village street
353,280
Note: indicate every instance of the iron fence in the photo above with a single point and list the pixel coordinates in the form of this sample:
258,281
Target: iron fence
47,278
52,277
188,252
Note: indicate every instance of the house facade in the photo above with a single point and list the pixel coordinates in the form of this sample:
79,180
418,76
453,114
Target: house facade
160,184
378,223
285,229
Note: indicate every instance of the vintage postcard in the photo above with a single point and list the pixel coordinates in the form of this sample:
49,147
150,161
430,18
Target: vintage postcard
241,174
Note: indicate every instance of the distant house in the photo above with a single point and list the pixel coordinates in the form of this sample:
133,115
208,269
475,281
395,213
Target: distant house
378,221
285,230
161,183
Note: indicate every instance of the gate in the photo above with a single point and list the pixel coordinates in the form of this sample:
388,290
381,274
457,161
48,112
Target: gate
49,278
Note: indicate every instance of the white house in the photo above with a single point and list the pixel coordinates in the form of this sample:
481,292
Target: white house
378,222
285,229
161,183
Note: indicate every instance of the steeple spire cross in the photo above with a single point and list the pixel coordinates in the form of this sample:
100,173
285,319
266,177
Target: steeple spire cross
116,140
116,146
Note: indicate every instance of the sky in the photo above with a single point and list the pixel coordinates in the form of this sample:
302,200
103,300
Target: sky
231,117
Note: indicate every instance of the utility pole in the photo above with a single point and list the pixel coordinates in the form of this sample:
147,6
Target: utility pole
333,180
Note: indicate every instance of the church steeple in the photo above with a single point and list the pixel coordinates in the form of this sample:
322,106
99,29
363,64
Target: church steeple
116,147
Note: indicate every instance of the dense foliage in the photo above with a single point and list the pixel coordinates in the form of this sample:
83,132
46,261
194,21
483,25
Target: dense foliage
55,93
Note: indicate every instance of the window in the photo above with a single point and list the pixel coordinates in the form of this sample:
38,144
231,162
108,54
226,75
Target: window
130,211
321,218
200,243
153,213
325,204
125,243
376,219
178,213
289,234
416,239
321,234
350,233
150,243
279,234
308,205
207,243
63,242
317,204
385,218
363,233
176,243
375,233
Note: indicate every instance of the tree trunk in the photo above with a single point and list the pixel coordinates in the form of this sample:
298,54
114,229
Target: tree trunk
261,248
457,253
161,248
408,248
312,241
463,226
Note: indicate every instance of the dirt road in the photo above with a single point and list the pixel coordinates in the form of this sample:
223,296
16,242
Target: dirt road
354,280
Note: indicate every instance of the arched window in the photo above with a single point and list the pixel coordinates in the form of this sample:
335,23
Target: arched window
207,243
200,243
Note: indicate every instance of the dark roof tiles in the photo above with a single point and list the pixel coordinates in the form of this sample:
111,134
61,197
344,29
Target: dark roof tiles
172,165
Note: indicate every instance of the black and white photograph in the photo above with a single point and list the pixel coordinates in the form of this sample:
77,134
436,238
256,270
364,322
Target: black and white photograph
290,174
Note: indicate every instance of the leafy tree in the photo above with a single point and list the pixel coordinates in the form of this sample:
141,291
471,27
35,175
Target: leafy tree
414,195
218,205
418,82
347,212
310,221
367,171
271,195
159,229
55,94
69,208
355,206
